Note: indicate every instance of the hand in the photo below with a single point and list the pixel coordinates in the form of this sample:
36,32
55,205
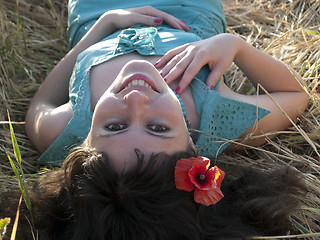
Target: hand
123,18
187,60
113,20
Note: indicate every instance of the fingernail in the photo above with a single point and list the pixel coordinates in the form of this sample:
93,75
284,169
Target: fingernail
177,90
165,80
211,88
158,20
156,65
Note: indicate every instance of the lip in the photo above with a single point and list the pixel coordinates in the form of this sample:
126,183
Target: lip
138,76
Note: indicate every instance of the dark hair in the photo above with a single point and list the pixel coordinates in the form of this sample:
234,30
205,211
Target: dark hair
255,203
87,199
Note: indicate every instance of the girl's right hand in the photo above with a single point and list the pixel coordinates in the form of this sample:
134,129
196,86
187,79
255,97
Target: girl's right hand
218,52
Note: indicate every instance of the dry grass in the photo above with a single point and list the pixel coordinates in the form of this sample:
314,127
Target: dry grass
33,38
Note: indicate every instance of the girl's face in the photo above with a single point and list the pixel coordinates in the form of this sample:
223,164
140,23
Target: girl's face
138,111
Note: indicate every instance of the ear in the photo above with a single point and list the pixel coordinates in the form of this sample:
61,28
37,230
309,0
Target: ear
192,145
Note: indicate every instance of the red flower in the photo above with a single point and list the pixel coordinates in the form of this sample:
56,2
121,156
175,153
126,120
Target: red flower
192,173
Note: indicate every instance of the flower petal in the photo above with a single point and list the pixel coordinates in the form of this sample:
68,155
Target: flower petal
195,174
181,176
208,197
219,175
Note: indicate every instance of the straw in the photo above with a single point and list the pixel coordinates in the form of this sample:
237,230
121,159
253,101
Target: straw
33,39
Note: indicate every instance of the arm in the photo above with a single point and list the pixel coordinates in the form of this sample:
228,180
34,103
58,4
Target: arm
287,99
49,111
219,52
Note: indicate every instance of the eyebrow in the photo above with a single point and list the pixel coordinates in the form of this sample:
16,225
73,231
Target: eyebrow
148,132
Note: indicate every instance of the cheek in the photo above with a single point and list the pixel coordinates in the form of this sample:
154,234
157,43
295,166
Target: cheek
169,103
174,113
106,106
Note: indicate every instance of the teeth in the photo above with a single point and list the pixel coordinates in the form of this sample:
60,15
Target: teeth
139,83
147,85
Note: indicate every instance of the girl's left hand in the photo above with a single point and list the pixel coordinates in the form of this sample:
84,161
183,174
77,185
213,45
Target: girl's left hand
123,18
187,60
113,20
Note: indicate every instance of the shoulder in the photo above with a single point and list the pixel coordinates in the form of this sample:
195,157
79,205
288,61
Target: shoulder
44,128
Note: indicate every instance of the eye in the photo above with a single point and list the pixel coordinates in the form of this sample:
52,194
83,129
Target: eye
158,128
114,127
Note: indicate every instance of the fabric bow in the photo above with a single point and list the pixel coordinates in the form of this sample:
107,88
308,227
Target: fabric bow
131,39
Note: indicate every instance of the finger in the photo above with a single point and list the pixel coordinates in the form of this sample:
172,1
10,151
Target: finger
175,68
168,18
177,23
146,15
155,21
138,18
184,25
214,76
172,63
190,72
169,55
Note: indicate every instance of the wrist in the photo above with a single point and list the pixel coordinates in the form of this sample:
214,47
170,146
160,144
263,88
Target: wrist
233,44
101,29
240,48
105,25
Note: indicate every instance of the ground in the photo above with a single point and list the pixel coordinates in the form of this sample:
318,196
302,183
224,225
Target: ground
33,39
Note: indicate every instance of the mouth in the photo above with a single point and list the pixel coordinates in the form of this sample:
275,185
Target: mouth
139,81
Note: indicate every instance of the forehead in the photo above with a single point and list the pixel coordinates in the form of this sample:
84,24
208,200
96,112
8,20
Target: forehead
121,147
144,141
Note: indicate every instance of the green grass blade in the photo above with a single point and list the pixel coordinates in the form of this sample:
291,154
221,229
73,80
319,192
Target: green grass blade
19,174
304,230
3,226
315,210
16,149
13,166
20,181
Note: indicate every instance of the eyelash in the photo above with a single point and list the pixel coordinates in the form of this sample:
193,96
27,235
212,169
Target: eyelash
120,127
109,127
163,128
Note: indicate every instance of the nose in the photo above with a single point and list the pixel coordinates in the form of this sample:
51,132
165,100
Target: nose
136,101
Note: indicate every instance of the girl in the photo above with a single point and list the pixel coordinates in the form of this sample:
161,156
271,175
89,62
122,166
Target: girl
120,92
134,131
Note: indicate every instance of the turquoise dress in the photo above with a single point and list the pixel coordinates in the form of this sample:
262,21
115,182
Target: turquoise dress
206,17
220,119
